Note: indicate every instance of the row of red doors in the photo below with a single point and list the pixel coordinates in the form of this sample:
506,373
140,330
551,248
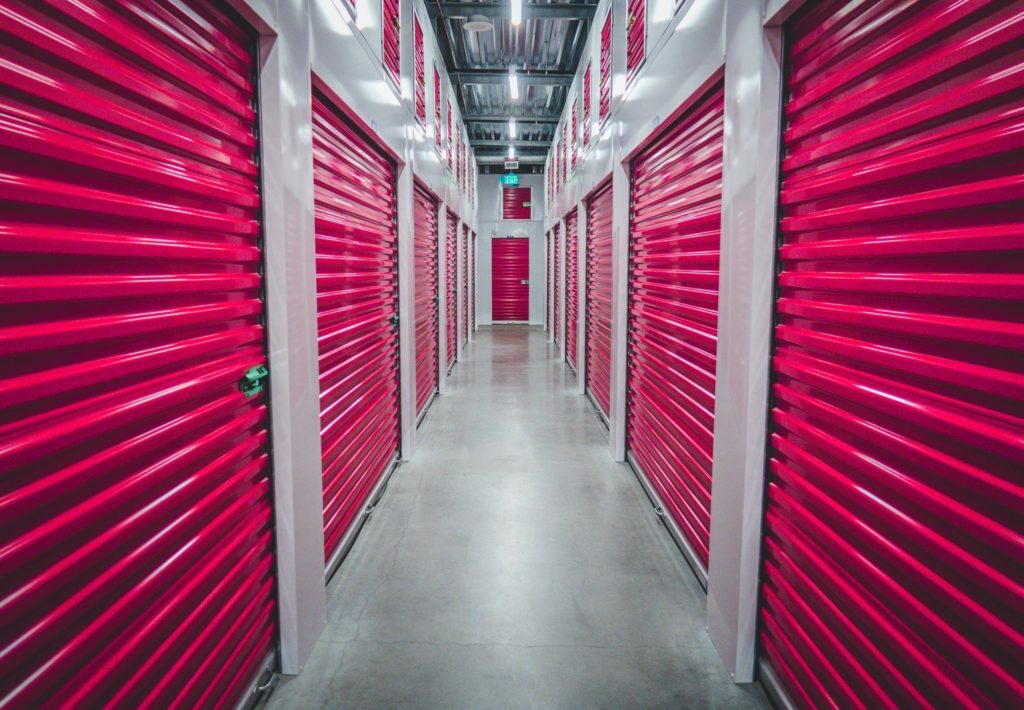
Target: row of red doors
892,539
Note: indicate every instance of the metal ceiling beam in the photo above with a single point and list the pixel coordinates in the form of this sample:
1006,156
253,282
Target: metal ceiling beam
498,160
554,10
501,118
500,76
484,143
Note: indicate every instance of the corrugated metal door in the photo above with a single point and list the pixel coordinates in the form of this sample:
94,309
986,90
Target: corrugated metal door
673,316
604,84
391,37
427,345
472,283
516,202
893,541
571,286
465,284
357,317
557,276
636,36
136,559
547,276
452,287
599,298
510,279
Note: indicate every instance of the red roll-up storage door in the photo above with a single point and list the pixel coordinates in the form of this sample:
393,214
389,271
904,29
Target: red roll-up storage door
673,315
557,310
465,284
357,304
427,345
893,528
510,268
472,283
599,298
452,290
547,272
136,558
571,286
516,202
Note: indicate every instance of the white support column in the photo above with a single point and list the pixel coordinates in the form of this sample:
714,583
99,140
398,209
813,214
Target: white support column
753,78
581,297
442,294
406,309
620,304
287,172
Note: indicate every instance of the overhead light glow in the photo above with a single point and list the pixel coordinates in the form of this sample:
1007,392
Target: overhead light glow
513,84
511,128
511,151
517,12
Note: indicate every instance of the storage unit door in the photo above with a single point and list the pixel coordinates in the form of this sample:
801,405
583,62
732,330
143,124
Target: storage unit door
571,287
673,316
472,283
452,291
357,308
893,530
510,279
599,298
465,284
556,276
136,557
427,345
548,284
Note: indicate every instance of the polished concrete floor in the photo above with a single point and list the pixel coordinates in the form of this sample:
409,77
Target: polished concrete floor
513,564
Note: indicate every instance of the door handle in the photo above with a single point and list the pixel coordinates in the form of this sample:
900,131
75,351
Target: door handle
525,282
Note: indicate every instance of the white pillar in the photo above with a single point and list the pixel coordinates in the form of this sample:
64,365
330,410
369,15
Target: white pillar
406,307
749,193
287,171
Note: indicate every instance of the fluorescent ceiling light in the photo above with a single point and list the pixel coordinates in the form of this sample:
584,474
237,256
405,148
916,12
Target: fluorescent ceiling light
513,84
511,151
511,128
517,12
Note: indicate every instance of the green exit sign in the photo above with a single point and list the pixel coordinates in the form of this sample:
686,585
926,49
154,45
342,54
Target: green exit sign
512,179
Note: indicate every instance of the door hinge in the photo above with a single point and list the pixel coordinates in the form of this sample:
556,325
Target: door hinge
254,380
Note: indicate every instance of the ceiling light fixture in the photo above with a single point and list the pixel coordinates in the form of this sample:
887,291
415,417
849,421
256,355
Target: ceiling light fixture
513,83
511,151
517,12
511,128
478,23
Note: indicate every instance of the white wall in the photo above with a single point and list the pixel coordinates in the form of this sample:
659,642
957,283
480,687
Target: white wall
491,225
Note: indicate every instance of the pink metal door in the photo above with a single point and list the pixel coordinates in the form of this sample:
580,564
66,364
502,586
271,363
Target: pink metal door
571,287
427,345
357,317
673,317
599,297
465,284
510,280
893,530
548,283
136,552
557,276
452,289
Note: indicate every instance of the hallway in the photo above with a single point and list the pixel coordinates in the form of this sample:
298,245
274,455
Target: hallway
513,564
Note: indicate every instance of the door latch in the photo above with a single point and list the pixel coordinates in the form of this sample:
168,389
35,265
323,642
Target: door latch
254,380
393,320
525,282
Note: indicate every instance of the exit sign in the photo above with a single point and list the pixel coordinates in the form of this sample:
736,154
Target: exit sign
511,179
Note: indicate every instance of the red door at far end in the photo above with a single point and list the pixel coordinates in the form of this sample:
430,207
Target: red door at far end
510,279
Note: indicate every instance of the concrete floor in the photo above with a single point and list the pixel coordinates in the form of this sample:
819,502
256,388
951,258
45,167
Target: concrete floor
512,564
